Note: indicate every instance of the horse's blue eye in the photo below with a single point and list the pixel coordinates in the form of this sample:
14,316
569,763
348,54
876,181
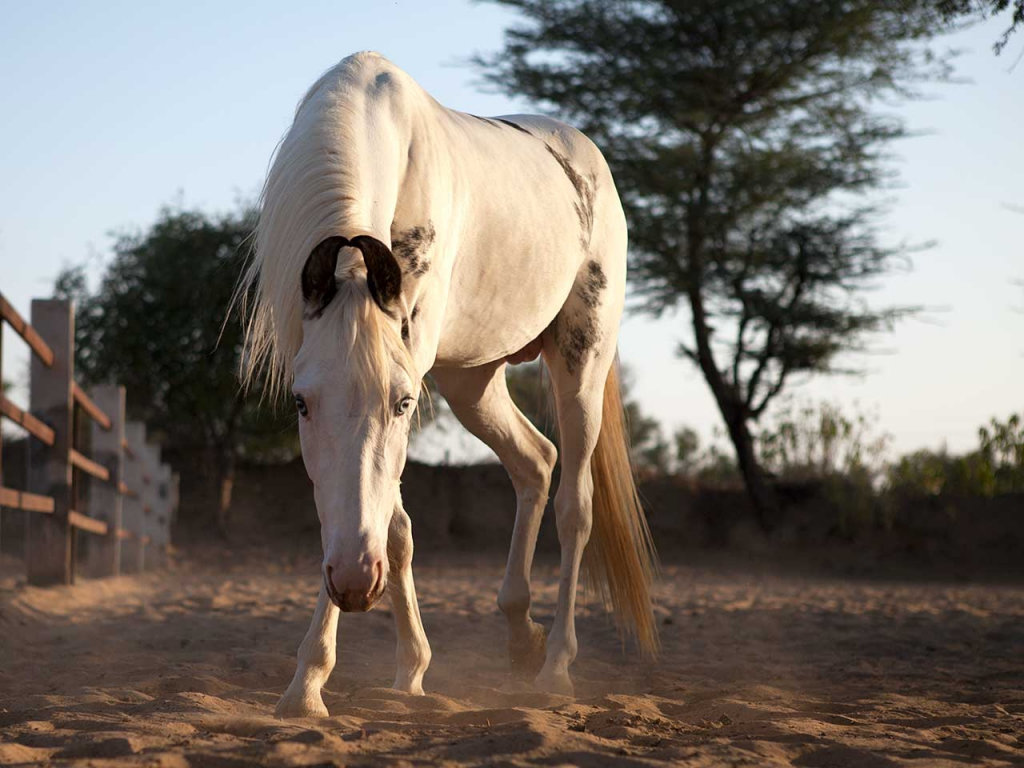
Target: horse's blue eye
300,405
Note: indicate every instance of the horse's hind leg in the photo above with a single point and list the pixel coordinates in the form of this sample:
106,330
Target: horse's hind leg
479,398
316,661
413,653
579,349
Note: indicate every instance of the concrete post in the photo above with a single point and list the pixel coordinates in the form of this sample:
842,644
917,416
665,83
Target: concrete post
132,549
48,551
151,501
105,502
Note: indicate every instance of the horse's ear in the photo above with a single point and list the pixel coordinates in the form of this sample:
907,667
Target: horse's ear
383,274
318,281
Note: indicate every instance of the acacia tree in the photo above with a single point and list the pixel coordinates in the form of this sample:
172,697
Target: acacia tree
952,10
156,324
743,136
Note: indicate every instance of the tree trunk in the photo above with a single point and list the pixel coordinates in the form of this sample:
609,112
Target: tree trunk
225,484
760,492
730,405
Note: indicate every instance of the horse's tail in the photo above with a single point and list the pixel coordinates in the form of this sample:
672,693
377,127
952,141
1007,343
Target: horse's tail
621,560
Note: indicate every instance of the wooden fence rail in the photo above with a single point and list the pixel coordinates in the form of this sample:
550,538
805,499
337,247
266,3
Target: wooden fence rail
131,496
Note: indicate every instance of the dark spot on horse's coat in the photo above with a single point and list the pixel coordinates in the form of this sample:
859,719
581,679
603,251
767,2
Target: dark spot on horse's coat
411,246
510,124
593,283
575,329
575,333
382,81
405,330
585,190
486,120
415,312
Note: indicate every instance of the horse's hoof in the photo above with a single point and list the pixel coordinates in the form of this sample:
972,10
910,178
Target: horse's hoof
554,682
415,687
291,706
526,652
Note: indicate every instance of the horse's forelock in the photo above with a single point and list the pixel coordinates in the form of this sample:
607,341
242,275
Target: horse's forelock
368,340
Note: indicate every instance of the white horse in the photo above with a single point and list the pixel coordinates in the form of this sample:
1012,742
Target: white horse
397,237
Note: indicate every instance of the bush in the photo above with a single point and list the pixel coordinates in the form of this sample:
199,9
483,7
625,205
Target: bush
996,467
817,440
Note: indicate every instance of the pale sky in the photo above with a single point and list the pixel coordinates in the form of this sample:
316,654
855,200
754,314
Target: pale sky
111,110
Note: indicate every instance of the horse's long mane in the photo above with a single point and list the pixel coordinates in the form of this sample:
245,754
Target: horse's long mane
311,193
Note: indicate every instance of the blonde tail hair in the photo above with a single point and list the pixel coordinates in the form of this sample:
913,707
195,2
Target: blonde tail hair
621,561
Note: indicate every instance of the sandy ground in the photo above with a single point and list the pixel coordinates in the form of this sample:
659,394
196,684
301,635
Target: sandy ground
760,667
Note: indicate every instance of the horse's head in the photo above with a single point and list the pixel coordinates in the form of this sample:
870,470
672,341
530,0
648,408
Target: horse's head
355,391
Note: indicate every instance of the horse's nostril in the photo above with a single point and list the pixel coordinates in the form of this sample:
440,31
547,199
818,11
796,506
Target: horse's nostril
378,578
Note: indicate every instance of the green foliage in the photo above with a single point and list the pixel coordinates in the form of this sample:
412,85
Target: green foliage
717,467
157,324
996,467
819,440
743,137
936,473
687,448
1002,446
981,9
648,449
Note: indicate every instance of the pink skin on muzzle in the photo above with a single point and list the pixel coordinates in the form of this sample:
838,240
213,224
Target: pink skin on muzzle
355,584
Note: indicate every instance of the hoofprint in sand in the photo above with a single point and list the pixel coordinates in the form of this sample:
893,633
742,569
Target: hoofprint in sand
758,667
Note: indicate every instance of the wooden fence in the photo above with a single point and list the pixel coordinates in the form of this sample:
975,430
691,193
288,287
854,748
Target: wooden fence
121,496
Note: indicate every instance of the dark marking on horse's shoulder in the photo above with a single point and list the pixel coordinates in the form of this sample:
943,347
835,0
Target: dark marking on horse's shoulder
586,189
510,124
410,247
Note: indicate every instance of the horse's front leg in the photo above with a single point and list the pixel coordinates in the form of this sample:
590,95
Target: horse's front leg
316,661
413,653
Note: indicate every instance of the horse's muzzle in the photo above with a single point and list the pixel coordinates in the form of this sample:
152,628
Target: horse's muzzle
355,600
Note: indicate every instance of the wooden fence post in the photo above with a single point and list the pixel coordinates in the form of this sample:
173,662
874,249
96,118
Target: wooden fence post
105,498
133,555
49,545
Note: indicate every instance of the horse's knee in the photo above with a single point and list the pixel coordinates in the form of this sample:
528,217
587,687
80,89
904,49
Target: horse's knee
400,541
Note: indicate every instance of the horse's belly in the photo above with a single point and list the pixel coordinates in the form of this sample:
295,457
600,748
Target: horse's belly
502,305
